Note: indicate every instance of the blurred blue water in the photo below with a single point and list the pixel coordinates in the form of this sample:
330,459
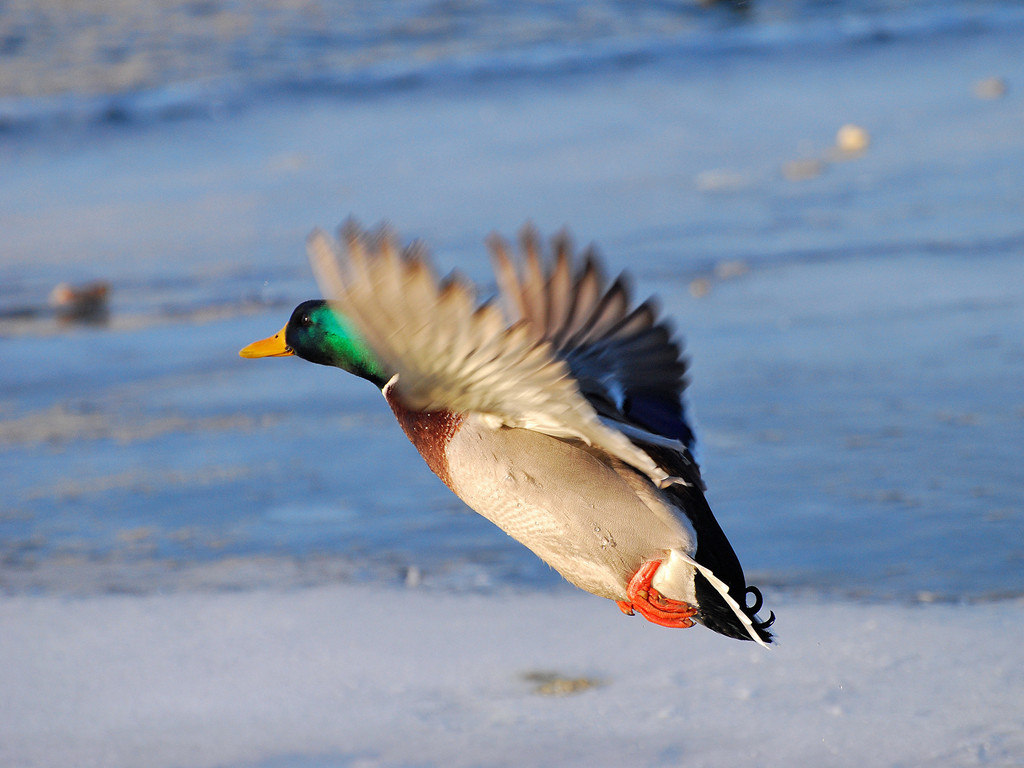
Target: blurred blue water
856,337
178,58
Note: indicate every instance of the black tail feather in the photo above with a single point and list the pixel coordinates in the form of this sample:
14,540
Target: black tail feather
715,614
714,552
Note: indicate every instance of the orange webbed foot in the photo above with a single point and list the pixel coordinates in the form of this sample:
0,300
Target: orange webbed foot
651,604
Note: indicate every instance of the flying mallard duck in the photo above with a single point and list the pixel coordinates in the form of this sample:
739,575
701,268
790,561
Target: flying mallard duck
560,420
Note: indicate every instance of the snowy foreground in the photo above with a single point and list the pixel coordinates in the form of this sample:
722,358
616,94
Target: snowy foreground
361,676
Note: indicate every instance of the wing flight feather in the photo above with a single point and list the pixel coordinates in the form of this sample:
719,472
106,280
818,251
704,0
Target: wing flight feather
451,353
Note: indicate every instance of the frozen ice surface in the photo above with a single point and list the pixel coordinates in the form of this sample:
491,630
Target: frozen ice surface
366,676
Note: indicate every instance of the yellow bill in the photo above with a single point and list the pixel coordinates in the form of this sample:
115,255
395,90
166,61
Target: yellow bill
272,346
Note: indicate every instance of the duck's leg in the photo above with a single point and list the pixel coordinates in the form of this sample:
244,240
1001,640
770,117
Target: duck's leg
651,604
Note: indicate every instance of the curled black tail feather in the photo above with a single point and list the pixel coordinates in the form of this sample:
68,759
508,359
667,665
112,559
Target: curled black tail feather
715,614
751,610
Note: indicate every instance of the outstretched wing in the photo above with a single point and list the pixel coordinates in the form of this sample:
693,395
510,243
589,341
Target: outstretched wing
630,368
449,353
623,357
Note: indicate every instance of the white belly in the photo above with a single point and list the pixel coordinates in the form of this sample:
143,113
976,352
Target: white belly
592,524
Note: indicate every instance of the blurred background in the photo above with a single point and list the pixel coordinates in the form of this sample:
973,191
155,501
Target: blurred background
826,196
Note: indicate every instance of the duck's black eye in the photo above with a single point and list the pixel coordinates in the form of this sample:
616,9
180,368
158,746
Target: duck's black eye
305,321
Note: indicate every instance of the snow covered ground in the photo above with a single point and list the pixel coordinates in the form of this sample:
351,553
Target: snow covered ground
365,676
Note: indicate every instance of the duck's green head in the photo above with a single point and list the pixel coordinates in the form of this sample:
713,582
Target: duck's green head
317,333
